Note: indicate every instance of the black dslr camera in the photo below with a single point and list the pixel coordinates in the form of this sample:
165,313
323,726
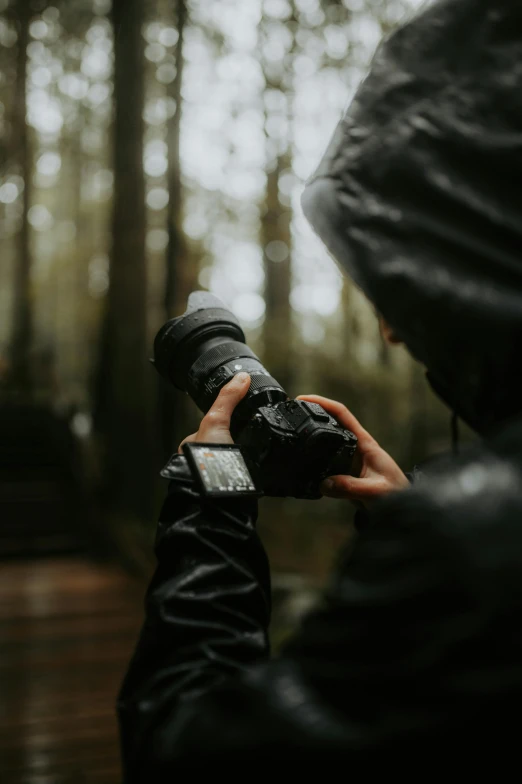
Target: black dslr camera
293,444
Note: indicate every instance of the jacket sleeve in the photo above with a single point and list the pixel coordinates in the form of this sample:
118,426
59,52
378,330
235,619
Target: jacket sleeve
201,689
207,612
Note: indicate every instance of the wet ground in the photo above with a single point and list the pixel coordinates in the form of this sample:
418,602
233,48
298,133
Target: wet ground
67,629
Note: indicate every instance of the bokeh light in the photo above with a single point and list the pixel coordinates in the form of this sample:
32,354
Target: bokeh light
157,240
168,37
249,307
49,163
98,275
40,217
157,198
8,192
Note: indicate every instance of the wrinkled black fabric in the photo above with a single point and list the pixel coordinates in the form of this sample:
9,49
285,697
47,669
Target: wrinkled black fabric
416,651
419,199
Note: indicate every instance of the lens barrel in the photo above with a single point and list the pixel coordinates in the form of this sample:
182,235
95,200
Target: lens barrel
202,350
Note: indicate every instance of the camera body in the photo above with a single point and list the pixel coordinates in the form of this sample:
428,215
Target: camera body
293,444
296,445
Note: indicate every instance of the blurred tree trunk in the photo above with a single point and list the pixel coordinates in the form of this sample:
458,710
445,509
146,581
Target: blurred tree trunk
123,405
275,228
179,278
351,323
276,238
176,253
83,249
21,376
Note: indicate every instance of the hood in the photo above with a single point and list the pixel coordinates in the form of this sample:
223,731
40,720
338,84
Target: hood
419,199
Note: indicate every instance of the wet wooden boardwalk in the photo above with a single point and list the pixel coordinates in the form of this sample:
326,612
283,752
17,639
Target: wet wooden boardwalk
67,629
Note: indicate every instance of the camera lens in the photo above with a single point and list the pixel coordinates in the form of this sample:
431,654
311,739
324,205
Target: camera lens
200,351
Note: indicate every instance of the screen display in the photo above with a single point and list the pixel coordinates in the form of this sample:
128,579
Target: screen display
222,469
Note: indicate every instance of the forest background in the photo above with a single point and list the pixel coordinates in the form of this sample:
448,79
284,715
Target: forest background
149,148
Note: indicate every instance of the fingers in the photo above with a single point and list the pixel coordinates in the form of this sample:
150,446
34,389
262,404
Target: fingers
354,489
343,416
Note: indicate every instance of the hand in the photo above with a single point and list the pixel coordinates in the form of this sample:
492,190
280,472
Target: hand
379,474
215,425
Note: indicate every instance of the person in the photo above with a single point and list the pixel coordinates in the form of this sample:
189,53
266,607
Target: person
413,660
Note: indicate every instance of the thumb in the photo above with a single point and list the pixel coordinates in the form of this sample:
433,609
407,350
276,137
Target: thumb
218,416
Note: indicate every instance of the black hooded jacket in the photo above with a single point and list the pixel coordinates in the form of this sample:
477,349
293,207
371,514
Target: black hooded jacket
416,651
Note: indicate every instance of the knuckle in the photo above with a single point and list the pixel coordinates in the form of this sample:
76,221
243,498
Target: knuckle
344,488
215,419
214,416
339,486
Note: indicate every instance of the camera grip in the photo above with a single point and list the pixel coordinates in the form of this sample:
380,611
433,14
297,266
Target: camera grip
347,463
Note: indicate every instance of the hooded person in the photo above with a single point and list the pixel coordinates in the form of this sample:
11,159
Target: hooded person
415,654
418,199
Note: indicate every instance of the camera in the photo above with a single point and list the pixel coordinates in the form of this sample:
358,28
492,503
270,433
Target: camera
293,444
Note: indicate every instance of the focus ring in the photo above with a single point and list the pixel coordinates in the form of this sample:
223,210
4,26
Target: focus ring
260,381
218,355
